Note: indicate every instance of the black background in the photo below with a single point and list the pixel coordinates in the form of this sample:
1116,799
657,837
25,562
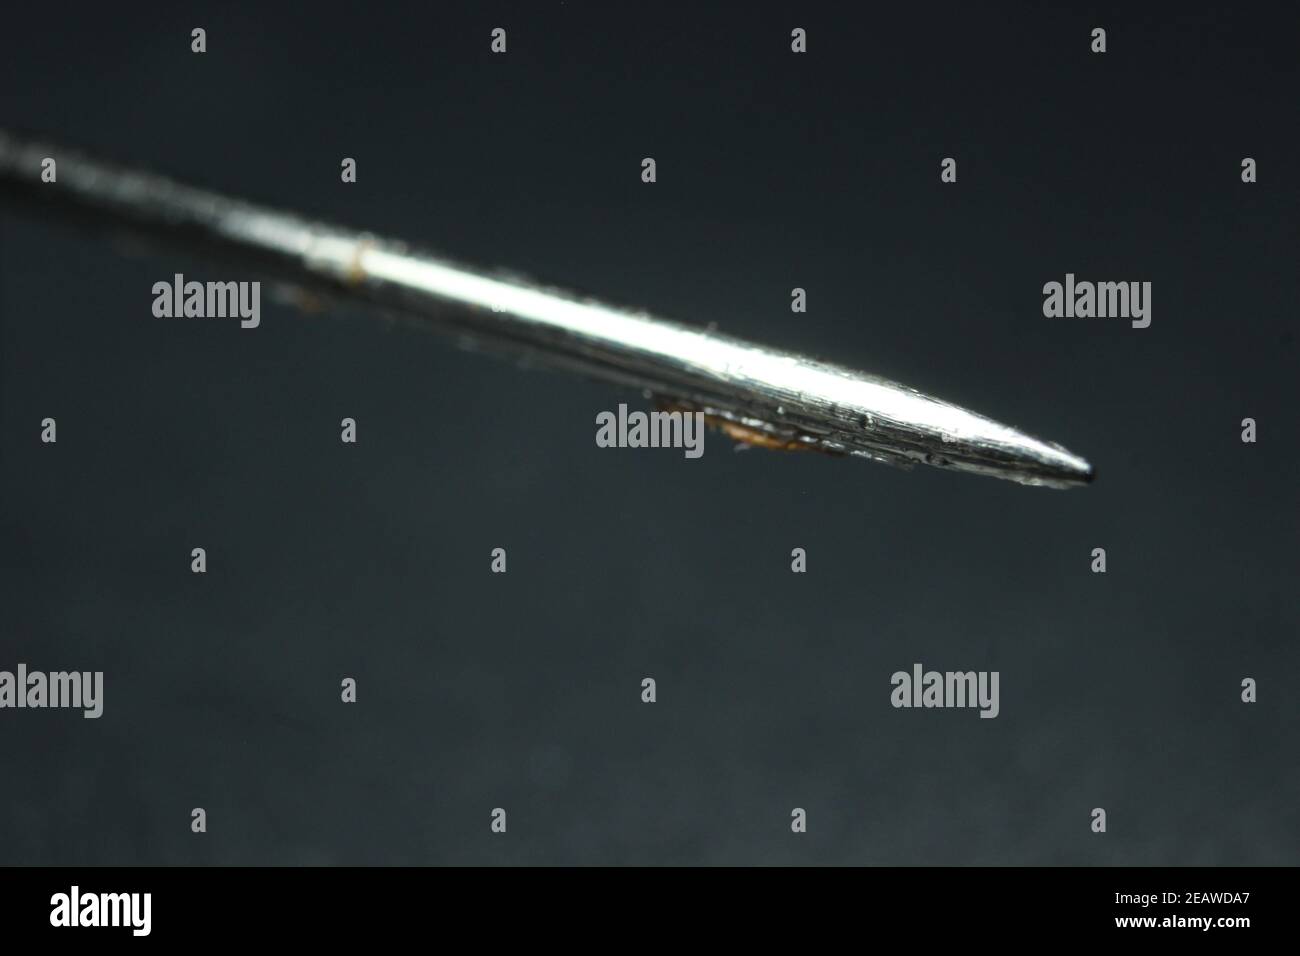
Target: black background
523,690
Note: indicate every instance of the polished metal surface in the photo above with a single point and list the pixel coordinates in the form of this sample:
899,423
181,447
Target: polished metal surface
759,394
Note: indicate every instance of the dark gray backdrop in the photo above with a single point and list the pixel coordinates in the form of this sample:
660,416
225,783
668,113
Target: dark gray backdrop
522,691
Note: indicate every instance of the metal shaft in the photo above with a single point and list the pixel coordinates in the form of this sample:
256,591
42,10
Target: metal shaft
787,399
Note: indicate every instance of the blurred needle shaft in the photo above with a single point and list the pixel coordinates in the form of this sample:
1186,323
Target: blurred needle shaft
787,398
